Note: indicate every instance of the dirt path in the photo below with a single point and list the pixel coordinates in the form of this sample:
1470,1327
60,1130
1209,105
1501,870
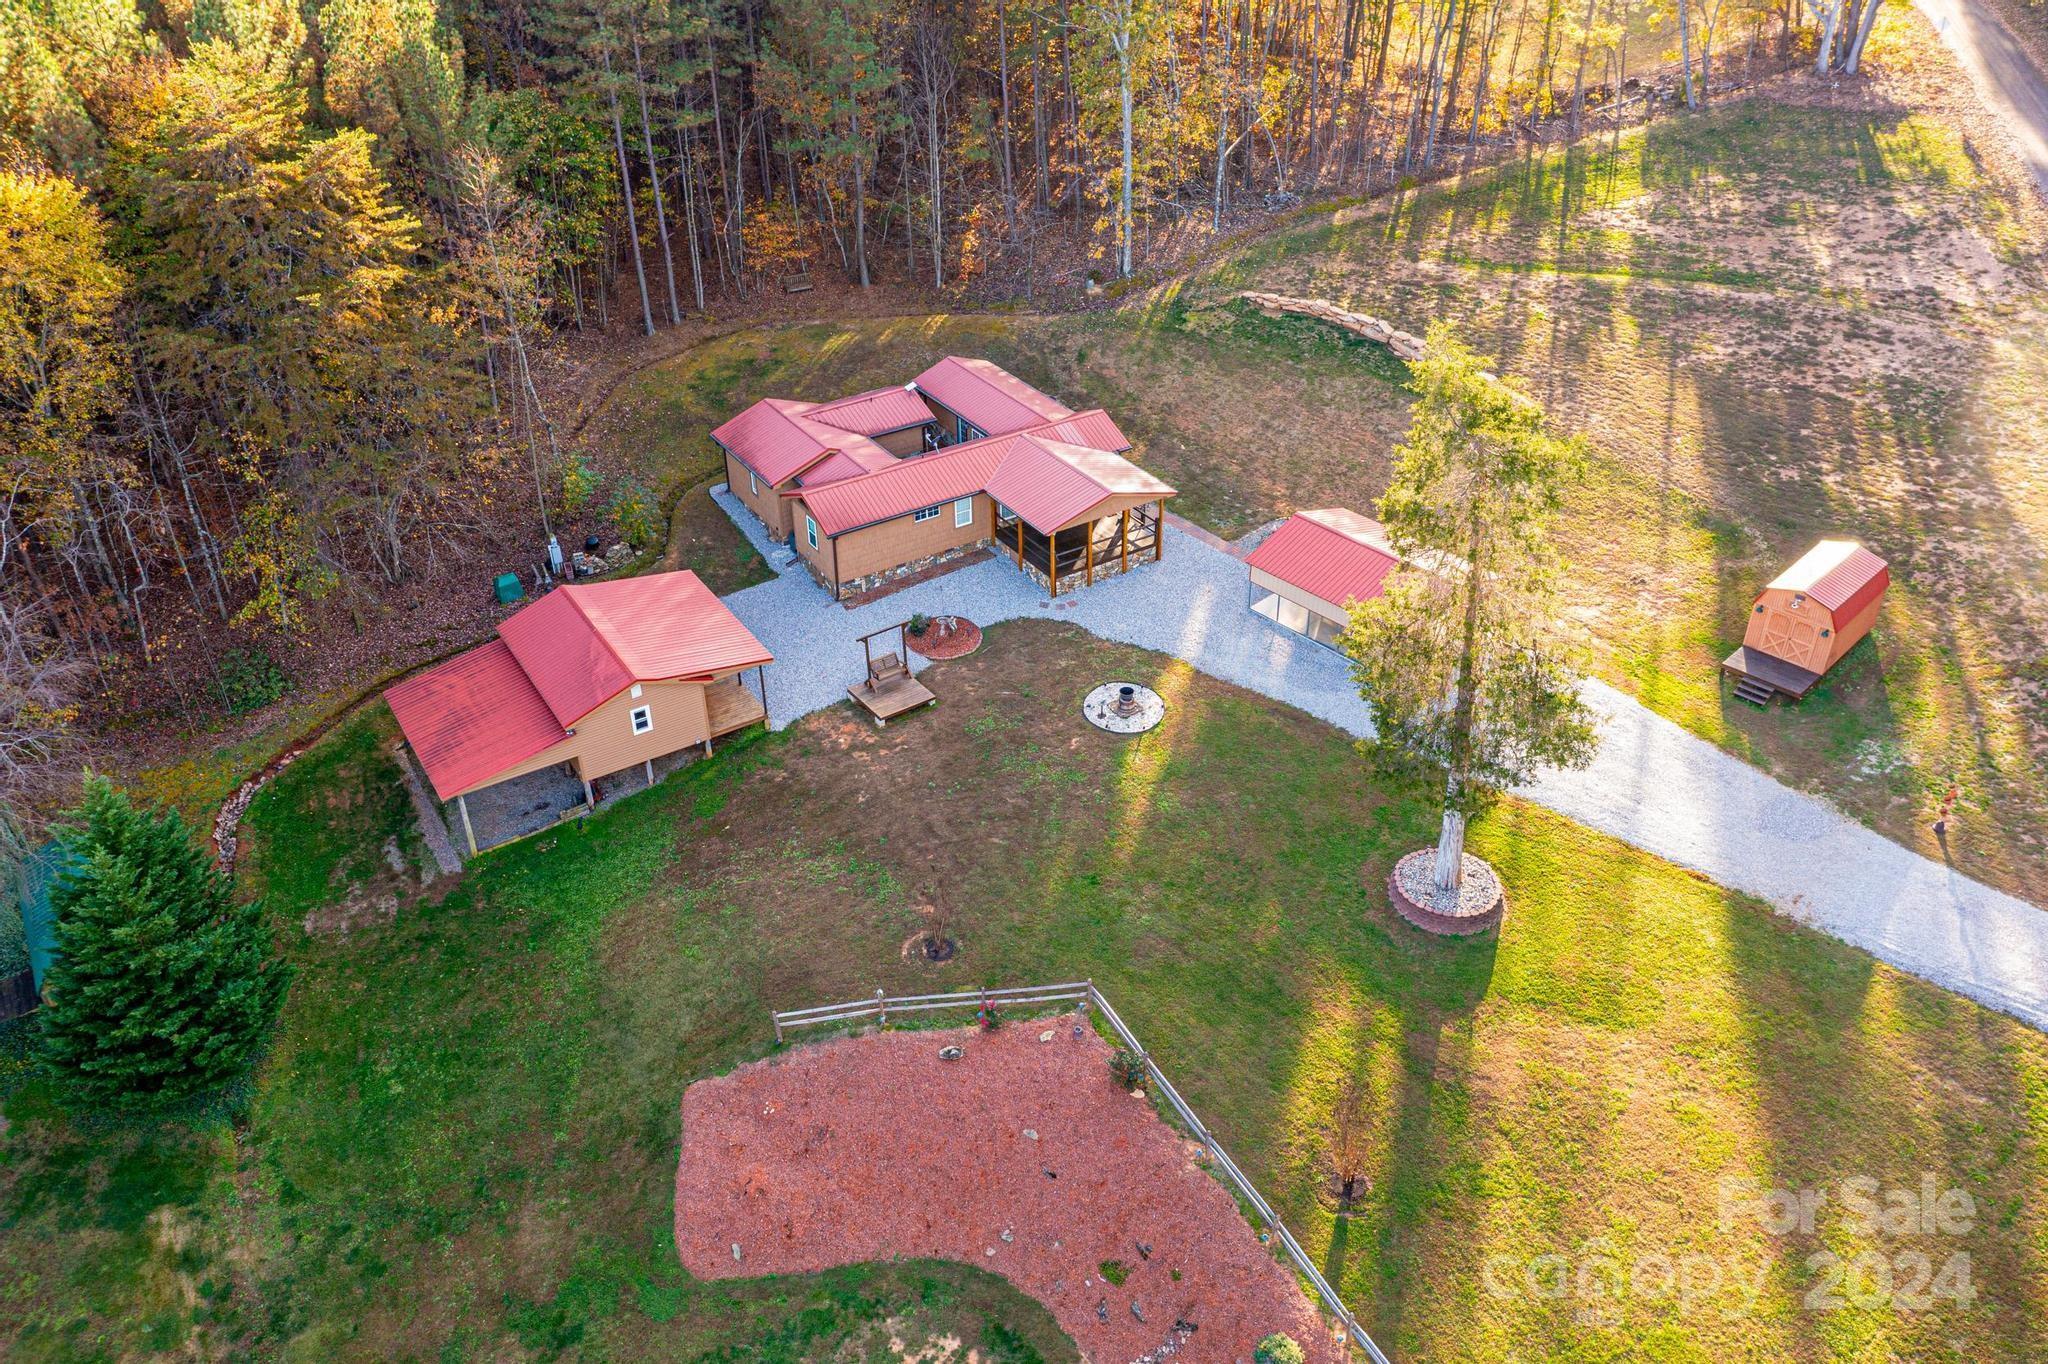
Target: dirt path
2005,77
1022,1157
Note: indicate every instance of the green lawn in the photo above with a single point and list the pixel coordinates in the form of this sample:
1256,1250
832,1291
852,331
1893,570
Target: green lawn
463,1143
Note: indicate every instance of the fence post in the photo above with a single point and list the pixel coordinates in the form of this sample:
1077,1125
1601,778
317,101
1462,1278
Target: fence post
882,1006
778,1028
1087,997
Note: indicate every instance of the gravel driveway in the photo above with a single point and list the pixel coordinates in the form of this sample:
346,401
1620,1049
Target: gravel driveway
1653,785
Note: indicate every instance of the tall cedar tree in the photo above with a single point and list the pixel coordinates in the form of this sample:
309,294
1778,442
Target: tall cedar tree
164,986
1471,684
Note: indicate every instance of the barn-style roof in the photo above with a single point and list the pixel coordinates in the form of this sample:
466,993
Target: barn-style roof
557,660
1333,553
1839,574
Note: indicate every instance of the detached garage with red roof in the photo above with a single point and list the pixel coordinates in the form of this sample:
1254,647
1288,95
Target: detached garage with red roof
588,692
1308,571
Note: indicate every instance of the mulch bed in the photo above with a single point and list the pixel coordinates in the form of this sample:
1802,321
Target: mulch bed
964,640
1022,1157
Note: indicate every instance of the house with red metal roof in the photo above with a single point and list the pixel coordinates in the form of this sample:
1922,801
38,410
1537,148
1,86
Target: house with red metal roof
1312,567
866,492
595,685
1810,615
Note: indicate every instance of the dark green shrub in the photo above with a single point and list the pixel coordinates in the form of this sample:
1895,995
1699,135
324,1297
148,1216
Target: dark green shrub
1114,1272
250,680
1128,1068
919,623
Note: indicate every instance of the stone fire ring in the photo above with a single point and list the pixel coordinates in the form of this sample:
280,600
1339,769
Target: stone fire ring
1100,708
1478,906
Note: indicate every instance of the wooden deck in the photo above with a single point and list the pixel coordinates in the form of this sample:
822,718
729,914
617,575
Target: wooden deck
1759,676
888,699
732,705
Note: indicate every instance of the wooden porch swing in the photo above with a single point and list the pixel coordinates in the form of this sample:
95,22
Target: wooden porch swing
889,690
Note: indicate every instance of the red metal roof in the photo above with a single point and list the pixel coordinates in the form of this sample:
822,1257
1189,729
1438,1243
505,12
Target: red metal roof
1050,483
905,486
830,469
1330,554
875,412
473,716
778,438
557,660
988,395
1092,428
1839,574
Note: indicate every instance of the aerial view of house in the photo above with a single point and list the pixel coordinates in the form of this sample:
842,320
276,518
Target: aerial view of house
895,481
866,682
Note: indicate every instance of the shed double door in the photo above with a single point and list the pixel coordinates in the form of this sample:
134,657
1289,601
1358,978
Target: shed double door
1791,638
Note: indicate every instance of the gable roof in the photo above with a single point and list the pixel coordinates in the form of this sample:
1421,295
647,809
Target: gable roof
875,412
472,717
906,485
1051,482
554,662
1839,574
779,437
1334,554
988,395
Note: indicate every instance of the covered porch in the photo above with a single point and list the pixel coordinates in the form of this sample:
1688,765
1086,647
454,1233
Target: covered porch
1075,556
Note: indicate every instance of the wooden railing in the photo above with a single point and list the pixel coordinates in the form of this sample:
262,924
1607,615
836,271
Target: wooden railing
1084,994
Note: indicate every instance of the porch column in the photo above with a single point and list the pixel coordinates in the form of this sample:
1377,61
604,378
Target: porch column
1020,544
1089,554
589,796
1159,537
1052,561
761,676
468,834
1123,542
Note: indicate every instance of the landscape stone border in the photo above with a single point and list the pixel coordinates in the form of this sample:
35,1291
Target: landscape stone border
1480,904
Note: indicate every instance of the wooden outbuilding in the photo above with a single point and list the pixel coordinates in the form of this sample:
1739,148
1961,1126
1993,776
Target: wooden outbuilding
1806,620
591,681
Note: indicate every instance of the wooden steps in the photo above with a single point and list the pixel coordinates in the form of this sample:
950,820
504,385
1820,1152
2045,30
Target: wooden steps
1758,693
1760,679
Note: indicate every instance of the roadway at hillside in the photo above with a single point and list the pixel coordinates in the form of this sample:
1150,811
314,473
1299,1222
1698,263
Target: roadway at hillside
2008,82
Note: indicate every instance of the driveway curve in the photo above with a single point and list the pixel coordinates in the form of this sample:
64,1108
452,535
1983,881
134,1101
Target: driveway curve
2005,77
1652,784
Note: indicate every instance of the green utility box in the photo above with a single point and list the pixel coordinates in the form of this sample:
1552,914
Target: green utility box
508,589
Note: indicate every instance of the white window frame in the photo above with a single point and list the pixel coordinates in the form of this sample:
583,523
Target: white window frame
926,514
963,511
642,719
753,484
810,531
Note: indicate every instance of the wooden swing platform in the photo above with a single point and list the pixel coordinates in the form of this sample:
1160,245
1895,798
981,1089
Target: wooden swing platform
889,690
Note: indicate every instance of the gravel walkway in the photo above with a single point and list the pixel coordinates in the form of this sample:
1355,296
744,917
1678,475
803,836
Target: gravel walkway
1652,785
1022,1157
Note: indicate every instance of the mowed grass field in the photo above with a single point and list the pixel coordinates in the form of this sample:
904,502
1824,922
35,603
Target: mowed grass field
462,1145
1776,322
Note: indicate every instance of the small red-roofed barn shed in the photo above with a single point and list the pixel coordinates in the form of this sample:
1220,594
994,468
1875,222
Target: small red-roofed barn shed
1810,615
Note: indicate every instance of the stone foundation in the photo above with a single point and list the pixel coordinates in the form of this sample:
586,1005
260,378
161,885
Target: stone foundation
869,582
1075,581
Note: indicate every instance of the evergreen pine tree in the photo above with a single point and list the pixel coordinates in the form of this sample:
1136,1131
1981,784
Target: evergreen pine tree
164,986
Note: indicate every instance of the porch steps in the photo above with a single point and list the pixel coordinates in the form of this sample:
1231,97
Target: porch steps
1758,693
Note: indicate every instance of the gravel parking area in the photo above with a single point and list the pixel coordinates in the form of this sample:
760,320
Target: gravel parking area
1652,785
1022,1157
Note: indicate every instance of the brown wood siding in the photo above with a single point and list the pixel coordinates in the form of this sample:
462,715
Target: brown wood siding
604,741
903,539
1855,629
772,509
909,442
821,557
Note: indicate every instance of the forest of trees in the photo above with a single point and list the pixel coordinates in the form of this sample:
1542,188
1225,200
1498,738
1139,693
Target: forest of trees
276,269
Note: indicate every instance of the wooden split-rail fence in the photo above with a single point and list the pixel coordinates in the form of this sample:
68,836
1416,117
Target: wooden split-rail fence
1085,996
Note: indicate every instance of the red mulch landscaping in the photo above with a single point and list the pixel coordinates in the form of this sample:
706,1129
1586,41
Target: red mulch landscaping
965,639
869,1148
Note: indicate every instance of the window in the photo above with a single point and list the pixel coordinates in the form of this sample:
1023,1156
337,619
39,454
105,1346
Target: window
753,485
926,514
643,719
636,691
811,532
964,431
963,511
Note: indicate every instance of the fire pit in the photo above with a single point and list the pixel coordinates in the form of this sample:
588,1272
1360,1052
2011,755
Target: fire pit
1123,708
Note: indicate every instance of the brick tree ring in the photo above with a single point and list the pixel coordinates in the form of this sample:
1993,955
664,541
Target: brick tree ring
1476,907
